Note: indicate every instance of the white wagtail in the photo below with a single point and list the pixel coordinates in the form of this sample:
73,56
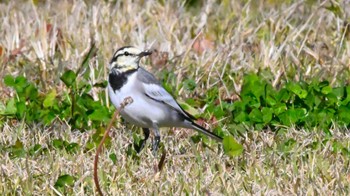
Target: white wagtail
152,105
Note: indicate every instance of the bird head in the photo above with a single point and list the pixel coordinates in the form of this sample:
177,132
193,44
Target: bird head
127,58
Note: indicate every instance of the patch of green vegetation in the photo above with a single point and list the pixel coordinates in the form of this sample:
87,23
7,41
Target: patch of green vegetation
74,104
302,104
308,105
64,183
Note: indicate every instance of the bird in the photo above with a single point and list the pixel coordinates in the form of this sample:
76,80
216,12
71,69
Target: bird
152,106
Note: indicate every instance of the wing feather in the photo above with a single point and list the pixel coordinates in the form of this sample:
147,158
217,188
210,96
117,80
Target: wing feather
158,93
155,91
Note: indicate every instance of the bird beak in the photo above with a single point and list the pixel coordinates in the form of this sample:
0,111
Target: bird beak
145,53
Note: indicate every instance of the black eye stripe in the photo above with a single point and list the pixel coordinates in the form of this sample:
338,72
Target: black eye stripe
122,54
115,58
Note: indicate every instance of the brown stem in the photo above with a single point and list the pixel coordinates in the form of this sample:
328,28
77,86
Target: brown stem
99,148
126,101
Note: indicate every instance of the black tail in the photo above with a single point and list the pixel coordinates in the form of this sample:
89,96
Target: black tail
206,132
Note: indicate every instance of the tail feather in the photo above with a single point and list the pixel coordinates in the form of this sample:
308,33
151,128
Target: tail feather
201,129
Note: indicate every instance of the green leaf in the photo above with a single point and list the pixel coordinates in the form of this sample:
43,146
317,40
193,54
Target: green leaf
101,84
339,92
98,135
64,180
20,84
231,147
113,157
287,145
58,143
327,89
47,116
256,116
131,152
344,114
21,108
89,146
279,108
283,95
2,110
17,153
188,108
190,84
101,114
196,138
337,146
49,99
237,128
270,100
17,150
72,147
241,117
297,89
31,92
219,112
253,86
37,148
239,106
267,114
347,98
68,78
331,99
212,94
9,80
84,67
11,108
292,116
254,102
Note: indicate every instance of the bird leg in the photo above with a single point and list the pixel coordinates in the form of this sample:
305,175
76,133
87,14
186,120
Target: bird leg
156,141
142,143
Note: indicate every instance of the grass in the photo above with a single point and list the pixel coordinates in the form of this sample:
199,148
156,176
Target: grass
264,168
211,43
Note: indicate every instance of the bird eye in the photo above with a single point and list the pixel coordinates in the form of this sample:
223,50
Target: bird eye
126,54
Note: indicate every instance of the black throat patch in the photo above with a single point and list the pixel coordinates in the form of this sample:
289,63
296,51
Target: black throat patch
117,80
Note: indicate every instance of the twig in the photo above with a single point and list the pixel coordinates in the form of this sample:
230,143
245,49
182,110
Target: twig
126,102
99,151
162,161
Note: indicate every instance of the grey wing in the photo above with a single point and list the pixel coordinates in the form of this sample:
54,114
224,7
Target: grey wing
146,77
158,93
155,91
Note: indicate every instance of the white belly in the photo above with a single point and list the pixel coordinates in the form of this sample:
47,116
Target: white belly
143,111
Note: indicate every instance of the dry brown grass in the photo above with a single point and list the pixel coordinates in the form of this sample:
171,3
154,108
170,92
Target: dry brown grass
264,168
294,40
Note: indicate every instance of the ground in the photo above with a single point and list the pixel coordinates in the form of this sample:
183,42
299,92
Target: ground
214,44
